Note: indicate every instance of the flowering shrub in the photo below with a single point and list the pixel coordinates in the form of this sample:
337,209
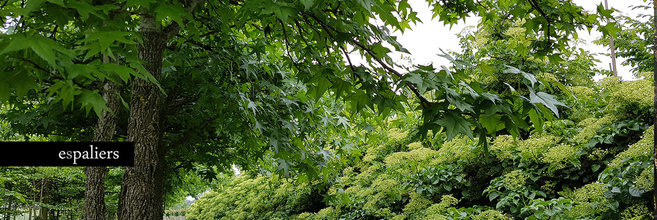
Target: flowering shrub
596,165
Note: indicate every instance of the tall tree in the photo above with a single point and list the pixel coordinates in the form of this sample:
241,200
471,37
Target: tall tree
142,187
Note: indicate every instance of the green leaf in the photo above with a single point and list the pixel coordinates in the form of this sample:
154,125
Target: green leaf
493,195
529,77
595,167
281,12
366,4
447,186
358,100
555,58
133,3
446,55
491,123
306,4
486,68
343,121
546,99
613,205
492,97
604,12
100,41
326,121
511,126
612,28
33,5
285,166
454,98
341,87
85,70
252,105
173,12
20,80
58,2
142,73
536,120
455,124
123,72
636,192
65,91
17,42
84,9
93,100
44,47
417,80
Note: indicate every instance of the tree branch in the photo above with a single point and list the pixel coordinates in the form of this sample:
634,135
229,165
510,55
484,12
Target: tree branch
287,47
536,6
35,65
423,101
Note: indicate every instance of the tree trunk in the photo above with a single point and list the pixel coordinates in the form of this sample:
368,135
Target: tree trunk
655,106
45,199
34,196
9,200
31,209
94,194
142,188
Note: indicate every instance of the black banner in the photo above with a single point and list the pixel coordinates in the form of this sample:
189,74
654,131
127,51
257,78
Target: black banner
67,154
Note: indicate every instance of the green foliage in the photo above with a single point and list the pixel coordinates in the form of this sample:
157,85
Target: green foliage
51,188
563,173
630,97
45,46
623,172
264,85
259,197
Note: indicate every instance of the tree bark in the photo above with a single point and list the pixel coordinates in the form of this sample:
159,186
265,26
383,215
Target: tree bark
94,194
143,184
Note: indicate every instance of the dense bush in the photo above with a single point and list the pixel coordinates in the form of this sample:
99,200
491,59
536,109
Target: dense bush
595,162
255,197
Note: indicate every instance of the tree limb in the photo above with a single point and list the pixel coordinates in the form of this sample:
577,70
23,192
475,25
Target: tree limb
423,101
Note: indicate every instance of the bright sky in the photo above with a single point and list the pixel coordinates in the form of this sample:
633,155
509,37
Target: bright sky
425,39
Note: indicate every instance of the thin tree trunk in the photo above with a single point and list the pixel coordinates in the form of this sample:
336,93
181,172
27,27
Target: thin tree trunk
31,209
143,184
10,200
655,106
45,198
94,194
43,183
